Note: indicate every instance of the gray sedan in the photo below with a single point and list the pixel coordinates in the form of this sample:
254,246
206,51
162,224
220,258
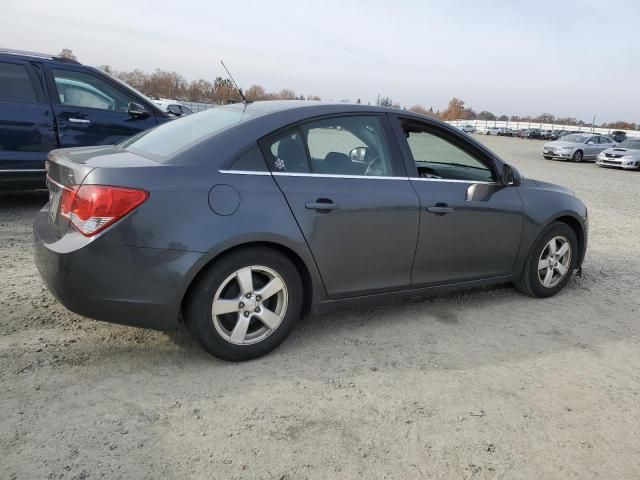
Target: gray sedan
240,220
577,147
625,155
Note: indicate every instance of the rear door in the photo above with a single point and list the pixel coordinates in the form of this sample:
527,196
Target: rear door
90,109
349,192
26,120
470,224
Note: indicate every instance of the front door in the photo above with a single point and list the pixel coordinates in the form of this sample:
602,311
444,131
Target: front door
470,224
352,200
90,110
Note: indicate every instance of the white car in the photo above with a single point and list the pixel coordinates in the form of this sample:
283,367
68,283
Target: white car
467,128
171,106
494,131
577,147
625,155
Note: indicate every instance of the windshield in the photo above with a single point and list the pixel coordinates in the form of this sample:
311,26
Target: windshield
631,143
177,135
574,138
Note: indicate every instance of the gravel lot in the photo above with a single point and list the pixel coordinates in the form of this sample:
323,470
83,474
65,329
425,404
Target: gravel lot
483,384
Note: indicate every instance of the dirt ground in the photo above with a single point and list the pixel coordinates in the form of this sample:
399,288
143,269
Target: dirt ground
483,384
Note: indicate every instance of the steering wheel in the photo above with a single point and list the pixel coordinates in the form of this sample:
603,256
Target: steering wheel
374,167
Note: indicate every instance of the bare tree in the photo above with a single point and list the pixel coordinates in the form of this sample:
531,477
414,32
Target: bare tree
67,53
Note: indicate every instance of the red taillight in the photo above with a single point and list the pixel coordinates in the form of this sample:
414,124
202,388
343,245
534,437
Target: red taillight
92,208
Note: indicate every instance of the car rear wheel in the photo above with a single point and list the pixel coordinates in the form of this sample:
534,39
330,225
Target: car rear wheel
245,304
577,156
551,261
546,157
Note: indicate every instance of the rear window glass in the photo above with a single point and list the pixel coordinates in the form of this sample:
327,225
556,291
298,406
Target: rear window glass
174,136
15,84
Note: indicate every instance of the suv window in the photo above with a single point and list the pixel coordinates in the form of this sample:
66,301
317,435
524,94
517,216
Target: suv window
15,84
348,146
437,158
80,89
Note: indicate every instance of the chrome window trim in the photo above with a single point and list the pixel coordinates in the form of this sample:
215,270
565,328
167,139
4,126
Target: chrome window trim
450,180
19,170
245,172
331,175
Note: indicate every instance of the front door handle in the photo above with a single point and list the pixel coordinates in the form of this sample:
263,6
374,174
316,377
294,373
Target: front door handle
440,209
79,120
322,204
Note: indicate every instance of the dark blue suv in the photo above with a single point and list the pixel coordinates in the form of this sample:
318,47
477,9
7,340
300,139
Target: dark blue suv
48,102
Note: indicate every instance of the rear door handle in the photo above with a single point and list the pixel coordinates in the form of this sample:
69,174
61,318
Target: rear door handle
79,120
440,209
322,204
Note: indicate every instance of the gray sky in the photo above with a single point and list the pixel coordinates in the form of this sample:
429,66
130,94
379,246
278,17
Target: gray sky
566,57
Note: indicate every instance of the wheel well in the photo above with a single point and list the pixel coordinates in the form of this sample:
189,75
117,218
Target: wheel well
307,284
576,227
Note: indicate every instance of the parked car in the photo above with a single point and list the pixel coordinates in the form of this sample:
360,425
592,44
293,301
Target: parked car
493,131
535,134
48,102
618,136
506,132
172,107
522,133
625,155
468,128
290,216
577,147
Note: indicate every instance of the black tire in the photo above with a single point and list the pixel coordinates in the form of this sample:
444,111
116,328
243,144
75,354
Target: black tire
546,157
577,156
529,281
198,306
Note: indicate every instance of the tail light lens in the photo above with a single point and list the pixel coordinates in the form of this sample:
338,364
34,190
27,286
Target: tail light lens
92,208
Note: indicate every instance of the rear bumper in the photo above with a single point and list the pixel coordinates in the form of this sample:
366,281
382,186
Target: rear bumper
98,279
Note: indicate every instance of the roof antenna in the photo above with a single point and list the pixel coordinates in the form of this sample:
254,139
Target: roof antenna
244,99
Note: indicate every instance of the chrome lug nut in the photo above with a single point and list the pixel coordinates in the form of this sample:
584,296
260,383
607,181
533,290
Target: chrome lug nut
257,309
246,314
241,305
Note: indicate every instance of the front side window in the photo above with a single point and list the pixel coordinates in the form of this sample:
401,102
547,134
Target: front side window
15,84
437,158
80,89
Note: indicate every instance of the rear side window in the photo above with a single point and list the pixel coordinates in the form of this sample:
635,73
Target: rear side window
15,84
286,153
250,161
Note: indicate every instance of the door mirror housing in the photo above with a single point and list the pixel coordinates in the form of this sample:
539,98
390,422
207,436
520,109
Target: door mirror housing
510,176
359,154
136,110
175,109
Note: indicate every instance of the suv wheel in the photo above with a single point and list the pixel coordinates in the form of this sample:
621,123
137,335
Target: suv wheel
550,263
245,304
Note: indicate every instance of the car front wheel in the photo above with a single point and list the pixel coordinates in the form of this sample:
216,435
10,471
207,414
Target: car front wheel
551,261
245,304
577,156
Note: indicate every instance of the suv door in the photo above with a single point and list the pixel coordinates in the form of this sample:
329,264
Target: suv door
470,224
90,109
26,120
347,188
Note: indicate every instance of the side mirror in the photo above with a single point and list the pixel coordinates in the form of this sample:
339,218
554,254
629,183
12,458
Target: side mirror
175,109
136,110
359,154
510,176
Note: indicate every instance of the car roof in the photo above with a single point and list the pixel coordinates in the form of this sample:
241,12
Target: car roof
25,55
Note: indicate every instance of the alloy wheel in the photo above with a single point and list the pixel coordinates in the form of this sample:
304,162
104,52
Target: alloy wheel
249,305
554,261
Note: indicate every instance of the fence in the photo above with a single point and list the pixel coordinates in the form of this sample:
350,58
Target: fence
196,106
478,124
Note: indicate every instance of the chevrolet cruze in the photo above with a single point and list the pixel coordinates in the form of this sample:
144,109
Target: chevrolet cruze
242,219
